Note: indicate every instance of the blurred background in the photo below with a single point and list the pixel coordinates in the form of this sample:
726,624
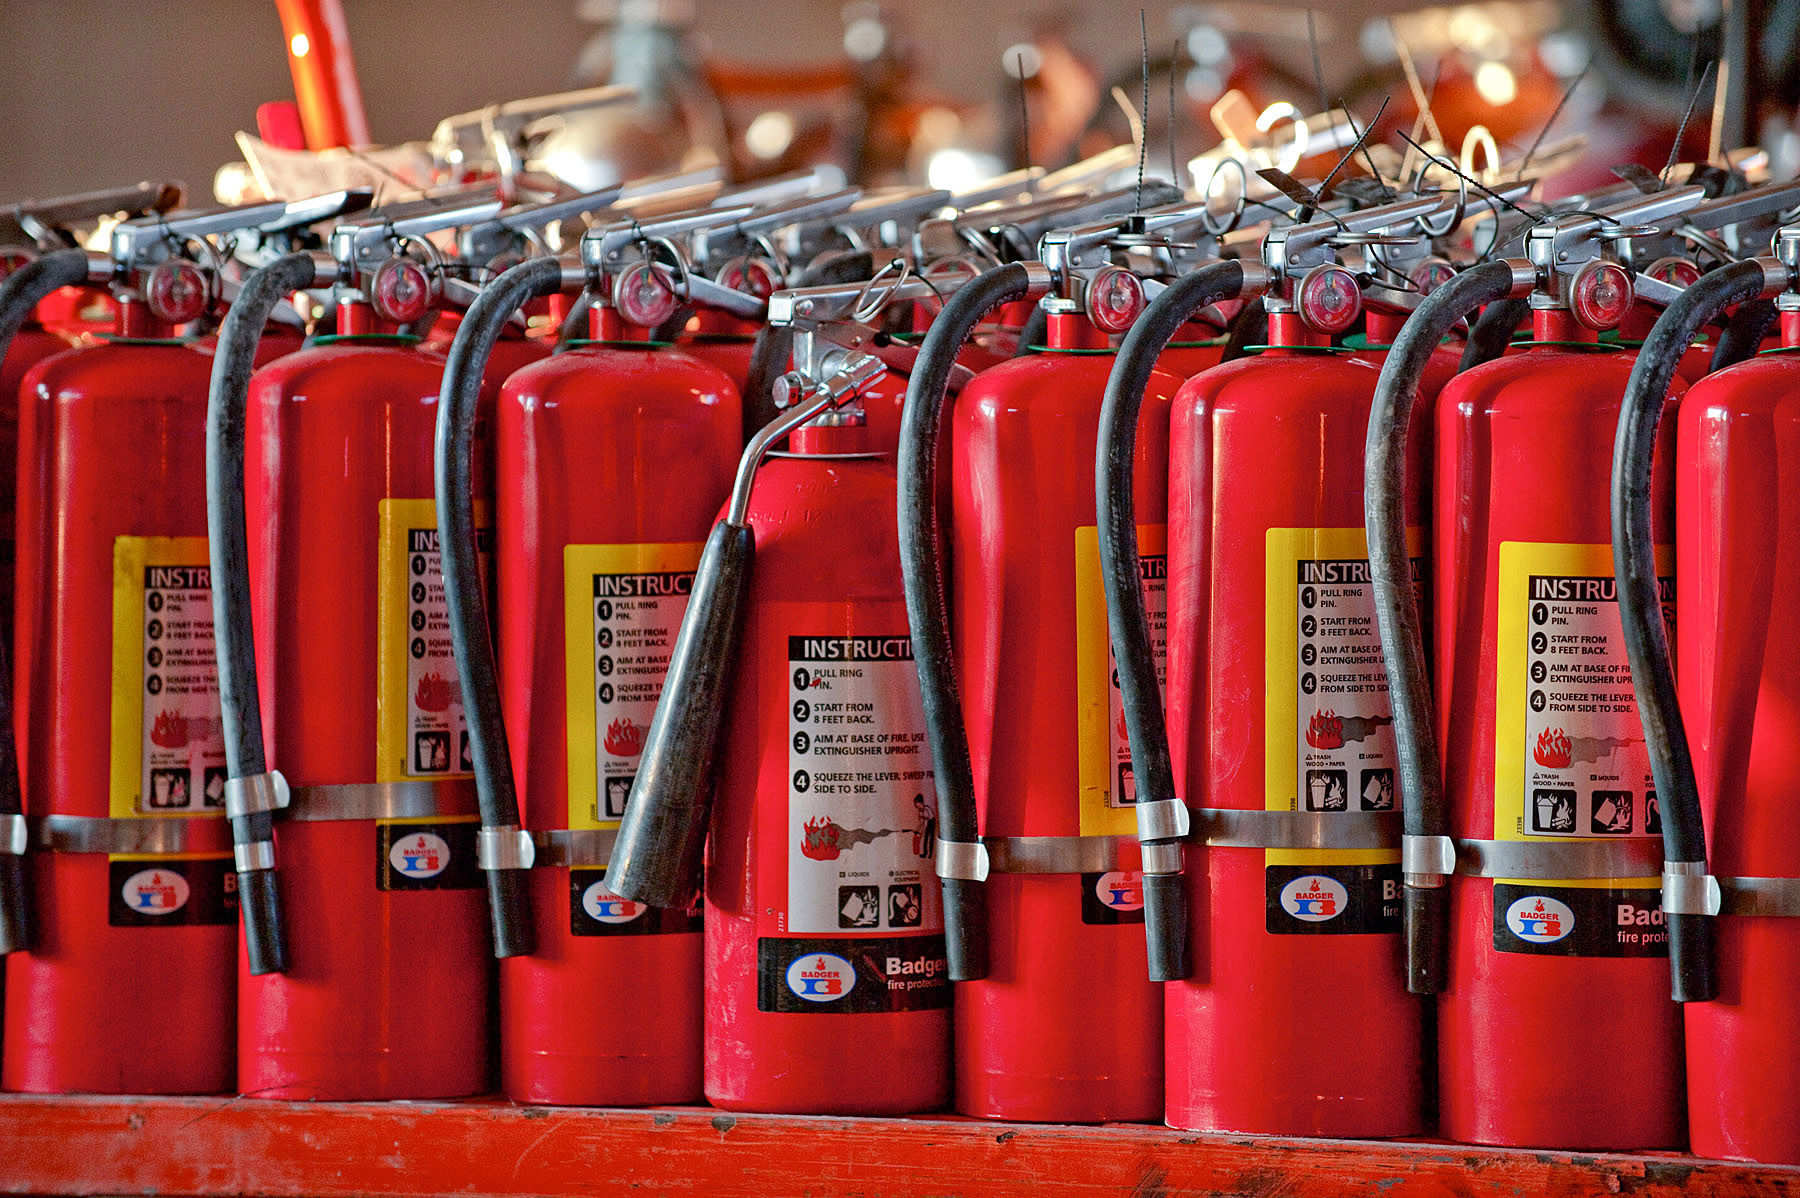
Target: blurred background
921,91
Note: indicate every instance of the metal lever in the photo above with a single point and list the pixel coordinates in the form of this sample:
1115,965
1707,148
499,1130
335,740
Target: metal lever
135,240
42,219
601,247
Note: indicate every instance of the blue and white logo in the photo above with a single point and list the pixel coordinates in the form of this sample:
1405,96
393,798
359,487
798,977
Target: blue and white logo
821,977
1540,919
1314,898
1121,890
421,855
603,905
155,892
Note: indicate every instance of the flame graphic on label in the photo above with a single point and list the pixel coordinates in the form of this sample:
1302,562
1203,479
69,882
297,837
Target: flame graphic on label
1329,730
624,738
822,839
1325,730
170,731
432,693
1553,750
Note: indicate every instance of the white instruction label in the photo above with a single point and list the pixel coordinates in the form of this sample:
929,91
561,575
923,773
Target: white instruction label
862,811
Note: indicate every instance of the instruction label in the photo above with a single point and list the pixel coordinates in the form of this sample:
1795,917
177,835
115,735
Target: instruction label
860,926
1107,789
623,607
1329,727
1570,760
422,730
168,747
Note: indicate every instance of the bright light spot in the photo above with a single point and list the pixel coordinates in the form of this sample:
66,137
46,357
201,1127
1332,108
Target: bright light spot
770,134
954,169
865,39
1203,84
300,47
1495,82
1205,44
1021,60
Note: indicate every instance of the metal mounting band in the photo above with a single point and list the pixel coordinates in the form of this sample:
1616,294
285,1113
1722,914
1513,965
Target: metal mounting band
964,860
1053,854
256,793
505,847
257,855
1638,858
575,848
384,800
1759,896
153,836
1687,889
15,835
1233,828
1162,857
1427,860
1163,819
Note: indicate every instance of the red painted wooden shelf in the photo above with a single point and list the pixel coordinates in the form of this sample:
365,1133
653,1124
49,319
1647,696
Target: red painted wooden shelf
86,1145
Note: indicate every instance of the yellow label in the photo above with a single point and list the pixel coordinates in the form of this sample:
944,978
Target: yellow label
1569,756
421,731
1107,792
168,747
1328,722
622,607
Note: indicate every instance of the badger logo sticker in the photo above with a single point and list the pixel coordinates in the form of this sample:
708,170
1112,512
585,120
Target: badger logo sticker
421,855
155,892
603,905
1121,890
1314,898
821,977
1540,919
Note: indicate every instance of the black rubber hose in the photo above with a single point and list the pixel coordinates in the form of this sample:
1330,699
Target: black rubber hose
773,348
1492,331
509,898
1426,908
1035,334
20,293
1640,602
1744,333
1115,456
15,911
922,557
1249,327
656,859
234,637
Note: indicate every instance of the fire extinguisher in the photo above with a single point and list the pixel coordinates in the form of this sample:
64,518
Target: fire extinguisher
1277,754
364,974
1528,873
823,938
48,223
1723,760
131,881
591,595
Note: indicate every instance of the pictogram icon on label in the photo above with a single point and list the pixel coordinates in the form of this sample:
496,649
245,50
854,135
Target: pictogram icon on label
623,607
422,731
168,747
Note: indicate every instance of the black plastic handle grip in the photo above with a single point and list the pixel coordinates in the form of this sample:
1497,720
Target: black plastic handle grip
656,858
